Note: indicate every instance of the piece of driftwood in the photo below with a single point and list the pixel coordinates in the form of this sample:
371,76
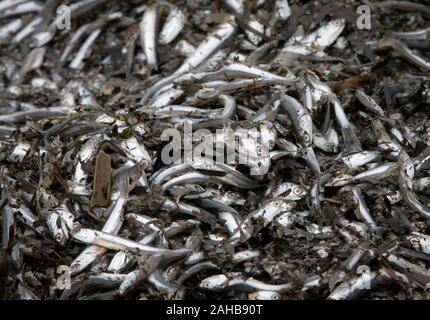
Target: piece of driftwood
102,186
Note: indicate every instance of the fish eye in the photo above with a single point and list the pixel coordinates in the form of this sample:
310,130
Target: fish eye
276,203
297,190
306,137
76,226
415,241
206,284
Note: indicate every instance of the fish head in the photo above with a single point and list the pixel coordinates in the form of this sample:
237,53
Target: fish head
214,283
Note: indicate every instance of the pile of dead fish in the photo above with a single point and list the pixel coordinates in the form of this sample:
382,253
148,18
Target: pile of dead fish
89,209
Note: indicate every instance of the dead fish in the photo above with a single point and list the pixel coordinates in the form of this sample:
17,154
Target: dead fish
314,42
114,242
111,226
405,53
32,61
148,34
369,103
206,49
301,119
175,22
221,282
359,285
406,175
315,149
363,211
